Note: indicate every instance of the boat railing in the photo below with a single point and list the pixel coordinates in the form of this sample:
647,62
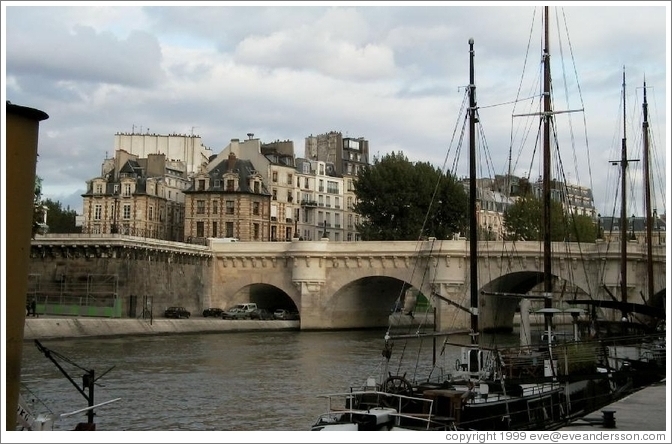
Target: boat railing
396,401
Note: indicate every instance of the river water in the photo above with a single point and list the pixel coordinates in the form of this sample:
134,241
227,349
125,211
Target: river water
260,381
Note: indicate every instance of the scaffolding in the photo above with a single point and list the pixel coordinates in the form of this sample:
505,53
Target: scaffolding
89,295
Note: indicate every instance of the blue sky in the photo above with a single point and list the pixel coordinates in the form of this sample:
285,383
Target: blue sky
392,73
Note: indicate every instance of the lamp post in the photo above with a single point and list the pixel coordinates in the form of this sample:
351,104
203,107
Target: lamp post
632,233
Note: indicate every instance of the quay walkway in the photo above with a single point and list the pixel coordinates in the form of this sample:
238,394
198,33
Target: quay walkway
62,327
643,410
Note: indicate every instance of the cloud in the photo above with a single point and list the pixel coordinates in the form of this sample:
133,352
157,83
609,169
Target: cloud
395,75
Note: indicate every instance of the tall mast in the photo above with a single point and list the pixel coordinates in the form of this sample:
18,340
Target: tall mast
473,229
624,222
647,197
546,217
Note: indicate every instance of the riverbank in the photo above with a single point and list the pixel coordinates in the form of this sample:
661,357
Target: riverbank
52,327
64,327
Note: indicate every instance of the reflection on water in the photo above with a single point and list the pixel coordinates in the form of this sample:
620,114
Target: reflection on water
228,381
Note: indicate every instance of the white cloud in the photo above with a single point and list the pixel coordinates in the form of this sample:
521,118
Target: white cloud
394,75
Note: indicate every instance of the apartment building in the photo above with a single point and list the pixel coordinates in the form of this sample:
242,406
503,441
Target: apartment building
322,211
348,155
176,147
137,196
227,198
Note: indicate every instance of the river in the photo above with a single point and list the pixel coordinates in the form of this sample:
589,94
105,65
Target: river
260,381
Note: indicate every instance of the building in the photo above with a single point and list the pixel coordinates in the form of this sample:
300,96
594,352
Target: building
137,196
348,155
321,200
274,161
610,229
176,147
227,198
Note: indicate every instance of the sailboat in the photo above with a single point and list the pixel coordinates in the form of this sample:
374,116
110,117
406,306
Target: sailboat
636,347
520,388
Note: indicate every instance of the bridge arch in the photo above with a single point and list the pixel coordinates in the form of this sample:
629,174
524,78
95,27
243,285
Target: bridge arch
265,296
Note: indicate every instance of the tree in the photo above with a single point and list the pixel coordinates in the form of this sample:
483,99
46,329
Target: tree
582,228
394,198
523,220
60,220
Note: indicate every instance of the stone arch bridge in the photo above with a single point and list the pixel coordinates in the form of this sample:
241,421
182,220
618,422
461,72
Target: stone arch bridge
356,284
341,285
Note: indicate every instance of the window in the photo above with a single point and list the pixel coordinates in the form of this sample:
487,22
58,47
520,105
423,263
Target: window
116,188
328,201
229,229
200,229
214,229
99,188
230,185
275,194
255,208
306,183
332,187
218,183
150,213
200,207
229,208
127,189
337,202
257,188
96,229
275,176
289,179
127,211
201,184
215,208
97,212
289,196
255,228
321,187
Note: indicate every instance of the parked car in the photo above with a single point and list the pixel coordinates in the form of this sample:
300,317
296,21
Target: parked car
285,315
261,313
214,312
240,311
176,312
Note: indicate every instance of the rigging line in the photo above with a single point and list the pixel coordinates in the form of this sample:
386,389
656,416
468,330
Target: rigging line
566,91
510,101
578,85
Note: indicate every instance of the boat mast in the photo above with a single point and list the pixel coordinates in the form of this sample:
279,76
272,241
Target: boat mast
473,229
647,197
546,184
624,221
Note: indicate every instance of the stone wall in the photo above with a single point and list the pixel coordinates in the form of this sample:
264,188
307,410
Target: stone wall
166,278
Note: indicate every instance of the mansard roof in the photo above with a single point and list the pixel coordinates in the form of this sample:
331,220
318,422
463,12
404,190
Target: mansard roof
242,167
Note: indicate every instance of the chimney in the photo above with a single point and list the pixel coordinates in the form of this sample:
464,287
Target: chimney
231,162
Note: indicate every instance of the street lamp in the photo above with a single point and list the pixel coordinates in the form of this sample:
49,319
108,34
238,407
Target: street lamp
632,233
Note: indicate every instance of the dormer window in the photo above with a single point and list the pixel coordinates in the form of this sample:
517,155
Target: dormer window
201,185
99,188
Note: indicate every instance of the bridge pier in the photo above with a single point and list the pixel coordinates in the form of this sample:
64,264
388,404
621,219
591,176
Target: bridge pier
448,315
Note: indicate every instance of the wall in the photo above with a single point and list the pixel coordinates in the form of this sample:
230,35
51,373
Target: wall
169,278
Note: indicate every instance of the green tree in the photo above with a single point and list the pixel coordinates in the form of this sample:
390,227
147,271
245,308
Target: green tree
523,220
60,220
394,197
582,228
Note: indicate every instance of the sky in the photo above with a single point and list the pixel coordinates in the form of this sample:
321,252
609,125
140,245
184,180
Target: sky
393,73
